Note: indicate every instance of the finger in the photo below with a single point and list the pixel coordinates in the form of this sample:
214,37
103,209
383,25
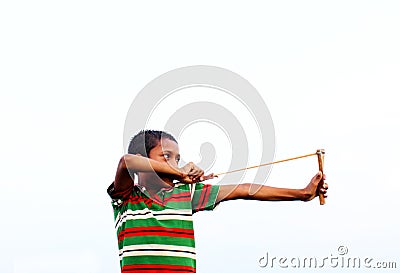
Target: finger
192,174
206,177
197,172
193,169
201,173
197,175
188,180
325,186
211,176
317,178
188,167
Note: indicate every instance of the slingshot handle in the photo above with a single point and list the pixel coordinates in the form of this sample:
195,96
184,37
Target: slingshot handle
320,154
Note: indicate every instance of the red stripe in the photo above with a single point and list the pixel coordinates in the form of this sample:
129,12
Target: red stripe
156,231
159,233
134,200
183,230
157,199
181,194
146,201
137,199
181,197
166,234
205,193
155,268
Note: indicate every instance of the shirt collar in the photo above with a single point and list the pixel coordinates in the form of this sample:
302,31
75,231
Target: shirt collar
164,189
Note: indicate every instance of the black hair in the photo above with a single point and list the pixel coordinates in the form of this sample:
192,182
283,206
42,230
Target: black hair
145,140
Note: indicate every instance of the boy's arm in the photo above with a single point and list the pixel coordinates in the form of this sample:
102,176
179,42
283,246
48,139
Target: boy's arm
267,193
130,163
138,163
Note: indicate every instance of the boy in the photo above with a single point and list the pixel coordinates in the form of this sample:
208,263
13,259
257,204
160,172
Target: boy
153,215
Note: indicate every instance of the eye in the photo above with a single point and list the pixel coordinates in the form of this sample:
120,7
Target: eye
166,156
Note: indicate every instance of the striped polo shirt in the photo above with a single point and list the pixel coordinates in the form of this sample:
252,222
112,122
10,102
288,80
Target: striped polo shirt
156,234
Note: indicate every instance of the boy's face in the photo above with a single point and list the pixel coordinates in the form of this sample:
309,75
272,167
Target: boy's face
166,151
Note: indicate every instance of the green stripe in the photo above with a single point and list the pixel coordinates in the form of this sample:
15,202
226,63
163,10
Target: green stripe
154,223
162,240
212,198
197,197
131,260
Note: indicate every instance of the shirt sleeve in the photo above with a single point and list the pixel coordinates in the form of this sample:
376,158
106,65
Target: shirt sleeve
119,196
204,197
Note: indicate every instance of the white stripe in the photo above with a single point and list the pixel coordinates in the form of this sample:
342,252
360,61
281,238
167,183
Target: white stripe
158,253
167,214
167,250
192,190
157,246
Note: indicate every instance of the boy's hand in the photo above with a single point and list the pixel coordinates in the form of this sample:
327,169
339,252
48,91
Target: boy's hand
312,190
193,174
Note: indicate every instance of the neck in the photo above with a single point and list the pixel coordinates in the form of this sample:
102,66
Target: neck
153,183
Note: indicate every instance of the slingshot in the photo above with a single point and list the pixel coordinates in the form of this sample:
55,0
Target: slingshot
319,153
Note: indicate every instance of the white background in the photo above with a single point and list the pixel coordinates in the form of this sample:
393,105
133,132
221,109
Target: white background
69,70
